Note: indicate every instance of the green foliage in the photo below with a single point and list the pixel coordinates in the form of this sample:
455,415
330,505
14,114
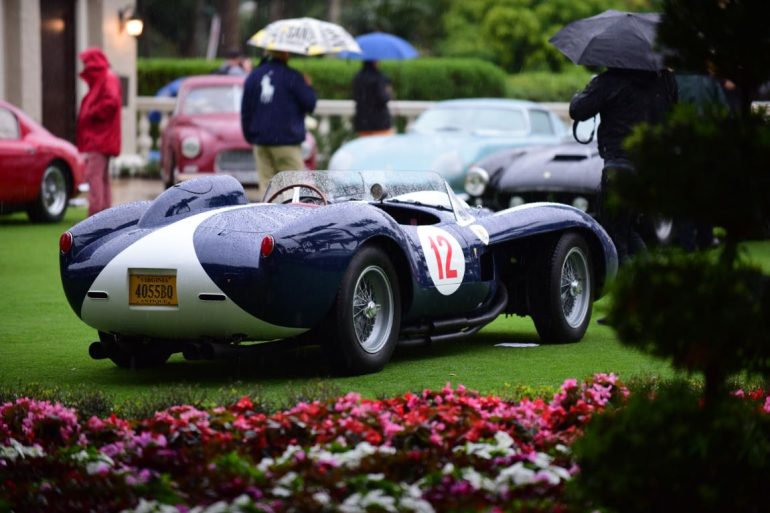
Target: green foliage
666,304
93,402
728,38
419,79
413,21
514,33
87,401
667,454
543,86
724,159
152,74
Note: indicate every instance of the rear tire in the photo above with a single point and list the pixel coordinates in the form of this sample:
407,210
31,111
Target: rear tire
132,354
562,295
367,314
51,203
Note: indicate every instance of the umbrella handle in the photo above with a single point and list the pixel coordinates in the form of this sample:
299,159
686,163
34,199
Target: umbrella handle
590,137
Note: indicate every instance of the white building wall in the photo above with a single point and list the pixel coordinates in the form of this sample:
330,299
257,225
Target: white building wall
2,49
22,71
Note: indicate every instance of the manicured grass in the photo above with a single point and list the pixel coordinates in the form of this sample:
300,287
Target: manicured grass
43,342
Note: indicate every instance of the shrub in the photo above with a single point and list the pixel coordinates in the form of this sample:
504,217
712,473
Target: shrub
542,86
419,79
678,324
668,454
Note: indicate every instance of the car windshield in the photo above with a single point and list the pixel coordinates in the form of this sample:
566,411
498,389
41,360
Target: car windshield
472,119
416,187
215,99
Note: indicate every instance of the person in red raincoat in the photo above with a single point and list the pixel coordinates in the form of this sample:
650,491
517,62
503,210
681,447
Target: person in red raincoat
98,126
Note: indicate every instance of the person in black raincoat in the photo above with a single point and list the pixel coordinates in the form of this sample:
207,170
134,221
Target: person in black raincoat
623,98
372,91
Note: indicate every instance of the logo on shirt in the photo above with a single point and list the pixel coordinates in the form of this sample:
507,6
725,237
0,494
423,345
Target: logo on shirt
267,90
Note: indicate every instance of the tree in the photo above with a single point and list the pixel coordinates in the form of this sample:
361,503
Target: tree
514,33
708,314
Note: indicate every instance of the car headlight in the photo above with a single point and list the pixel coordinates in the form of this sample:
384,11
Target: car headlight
476,181
516,201
191,147
580,203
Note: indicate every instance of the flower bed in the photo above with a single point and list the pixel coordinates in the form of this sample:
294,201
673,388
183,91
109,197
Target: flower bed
448,450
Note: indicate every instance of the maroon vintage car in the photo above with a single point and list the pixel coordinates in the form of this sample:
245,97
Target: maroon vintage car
39,172
203,135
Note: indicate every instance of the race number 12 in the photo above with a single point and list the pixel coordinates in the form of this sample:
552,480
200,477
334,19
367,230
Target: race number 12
443,257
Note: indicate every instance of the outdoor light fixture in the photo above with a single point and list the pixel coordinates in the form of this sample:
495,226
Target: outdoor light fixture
130,22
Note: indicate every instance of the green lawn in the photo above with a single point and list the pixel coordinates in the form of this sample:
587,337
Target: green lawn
43,342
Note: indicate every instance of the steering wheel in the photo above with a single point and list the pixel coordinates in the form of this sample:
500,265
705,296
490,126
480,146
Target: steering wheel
296,198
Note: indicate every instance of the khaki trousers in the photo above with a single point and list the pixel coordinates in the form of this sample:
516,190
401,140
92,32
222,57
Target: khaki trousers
272,159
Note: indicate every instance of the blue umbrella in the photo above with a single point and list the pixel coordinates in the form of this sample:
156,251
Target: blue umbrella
379,46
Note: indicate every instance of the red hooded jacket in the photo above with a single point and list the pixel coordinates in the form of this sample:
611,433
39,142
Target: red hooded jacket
98,127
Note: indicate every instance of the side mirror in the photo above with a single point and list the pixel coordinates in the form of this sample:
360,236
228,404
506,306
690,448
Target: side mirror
379,192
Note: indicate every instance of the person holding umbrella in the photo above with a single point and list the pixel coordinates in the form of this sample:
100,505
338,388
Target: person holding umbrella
275,100
634,89
372,90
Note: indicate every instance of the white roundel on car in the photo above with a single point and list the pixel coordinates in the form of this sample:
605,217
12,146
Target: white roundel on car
444,257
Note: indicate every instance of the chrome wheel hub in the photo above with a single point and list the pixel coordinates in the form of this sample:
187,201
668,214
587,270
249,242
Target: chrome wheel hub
373,309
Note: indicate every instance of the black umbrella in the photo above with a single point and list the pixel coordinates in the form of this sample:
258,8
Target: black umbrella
613,39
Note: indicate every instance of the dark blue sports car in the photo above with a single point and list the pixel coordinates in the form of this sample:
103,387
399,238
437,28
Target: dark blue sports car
357,261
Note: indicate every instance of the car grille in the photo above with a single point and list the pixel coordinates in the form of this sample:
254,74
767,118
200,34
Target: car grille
235,160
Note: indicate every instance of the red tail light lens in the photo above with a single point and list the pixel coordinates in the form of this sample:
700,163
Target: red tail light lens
268,244
65,243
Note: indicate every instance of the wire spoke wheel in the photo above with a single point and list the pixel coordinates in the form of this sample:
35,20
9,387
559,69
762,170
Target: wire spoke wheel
54,191
372,309
562,290
367,316
575,300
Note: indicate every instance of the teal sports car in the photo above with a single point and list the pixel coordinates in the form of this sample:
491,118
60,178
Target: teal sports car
451,136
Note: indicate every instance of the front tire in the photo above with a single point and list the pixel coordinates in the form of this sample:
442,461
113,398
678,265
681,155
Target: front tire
51,203
367,314
562,296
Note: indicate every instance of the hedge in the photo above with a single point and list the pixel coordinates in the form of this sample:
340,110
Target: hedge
419,79
543,86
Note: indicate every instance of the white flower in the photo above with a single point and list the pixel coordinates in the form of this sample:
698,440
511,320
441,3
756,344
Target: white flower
280,491
518,473
473,477
322,498
146,506
503,439
17,450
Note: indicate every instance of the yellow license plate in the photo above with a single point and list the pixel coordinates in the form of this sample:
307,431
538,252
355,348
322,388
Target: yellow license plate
152,290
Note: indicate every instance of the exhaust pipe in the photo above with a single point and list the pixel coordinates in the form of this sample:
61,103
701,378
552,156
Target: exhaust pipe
98,351
198,351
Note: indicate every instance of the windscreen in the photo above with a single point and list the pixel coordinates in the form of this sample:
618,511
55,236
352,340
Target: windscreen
224,99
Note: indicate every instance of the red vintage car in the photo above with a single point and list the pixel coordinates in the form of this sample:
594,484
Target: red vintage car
203,135
39,172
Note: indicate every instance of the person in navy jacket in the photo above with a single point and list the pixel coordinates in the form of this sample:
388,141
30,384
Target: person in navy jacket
276,99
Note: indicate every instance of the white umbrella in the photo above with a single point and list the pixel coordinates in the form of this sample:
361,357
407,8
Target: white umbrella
305,36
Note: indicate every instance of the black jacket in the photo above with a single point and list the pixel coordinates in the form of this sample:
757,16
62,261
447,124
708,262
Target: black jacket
371,92
624,98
